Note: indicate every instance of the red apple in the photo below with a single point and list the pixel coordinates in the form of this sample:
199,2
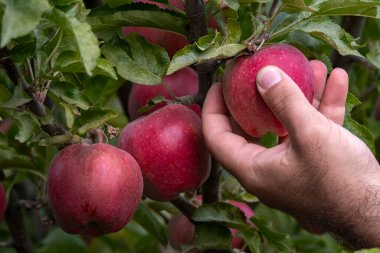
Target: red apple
3,201
94,189
183,82
169,147
180,231
242,97
5,125
237,242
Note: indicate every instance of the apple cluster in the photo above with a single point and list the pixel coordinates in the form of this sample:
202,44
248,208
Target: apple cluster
95,189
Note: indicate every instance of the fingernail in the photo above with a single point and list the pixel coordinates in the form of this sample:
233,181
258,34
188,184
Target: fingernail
268,77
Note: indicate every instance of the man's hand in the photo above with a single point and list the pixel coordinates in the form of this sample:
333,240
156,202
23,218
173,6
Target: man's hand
321,173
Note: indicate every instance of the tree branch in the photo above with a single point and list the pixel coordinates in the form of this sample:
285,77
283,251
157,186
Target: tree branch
123,95
354,25
206,76
273,8
15,221
211,189
184,206
35,106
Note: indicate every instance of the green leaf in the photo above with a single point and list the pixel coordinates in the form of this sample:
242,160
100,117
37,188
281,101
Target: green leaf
374,250
153,102
70,113
367,8
281,242
233,32
220,212
361,131
69,61
210,235
5,94
191,54
65,2
19,98
58,241
231,4
207,41
351,102
21,17
10,158
136,60
327,30
117,3
146,218
252,238
82,37
101,89
27,124
94,118
70,94
297,5
137,14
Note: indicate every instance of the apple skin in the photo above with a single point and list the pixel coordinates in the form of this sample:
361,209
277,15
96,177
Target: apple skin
183,82
3,201
244,100
5,125
94,189
180,231
169,147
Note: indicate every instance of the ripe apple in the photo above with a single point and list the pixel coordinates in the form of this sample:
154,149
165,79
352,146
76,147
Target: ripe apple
5,125
94,189
169,147
183,82
3,201
242,97
182,231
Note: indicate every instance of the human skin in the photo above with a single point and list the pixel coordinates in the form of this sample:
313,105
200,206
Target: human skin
331,178
94,189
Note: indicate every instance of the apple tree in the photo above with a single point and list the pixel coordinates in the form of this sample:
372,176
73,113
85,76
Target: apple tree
74,73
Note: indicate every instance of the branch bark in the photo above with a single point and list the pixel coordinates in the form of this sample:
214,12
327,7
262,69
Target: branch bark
273,8
206,76
123,95
184,206
16,225
35,106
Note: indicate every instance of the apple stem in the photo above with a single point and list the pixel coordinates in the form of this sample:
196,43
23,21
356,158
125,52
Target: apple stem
171,93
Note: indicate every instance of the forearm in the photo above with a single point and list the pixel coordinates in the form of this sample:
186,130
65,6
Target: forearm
358,224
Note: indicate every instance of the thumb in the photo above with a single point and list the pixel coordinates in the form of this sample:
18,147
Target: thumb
285,99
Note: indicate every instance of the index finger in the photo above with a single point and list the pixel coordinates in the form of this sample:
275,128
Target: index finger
234,152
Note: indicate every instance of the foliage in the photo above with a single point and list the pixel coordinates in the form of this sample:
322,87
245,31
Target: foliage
74,60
